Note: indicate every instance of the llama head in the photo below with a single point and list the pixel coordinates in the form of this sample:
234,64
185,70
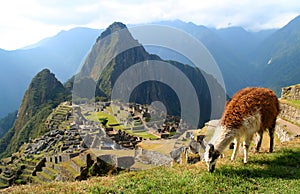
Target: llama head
210,157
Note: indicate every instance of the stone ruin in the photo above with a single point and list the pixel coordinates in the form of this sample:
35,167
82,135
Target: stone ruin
291,92
288,111
44,158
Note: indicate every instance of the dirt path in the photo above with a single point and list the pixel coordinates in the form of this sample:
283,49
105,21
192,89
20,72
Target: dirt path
291,127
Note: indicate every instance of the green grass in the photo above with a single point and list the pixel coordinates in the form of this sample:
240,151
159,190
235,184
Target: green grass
142,134
278,172
294,103
95,116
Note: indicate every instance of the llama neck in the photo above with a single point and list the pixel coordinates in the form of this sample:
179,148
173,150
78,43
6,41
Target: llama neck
224,139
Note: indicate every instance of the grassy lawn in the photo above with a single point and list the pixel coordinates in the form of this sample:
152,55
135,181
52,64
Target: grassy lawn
278,172
142,134
95,116
294,103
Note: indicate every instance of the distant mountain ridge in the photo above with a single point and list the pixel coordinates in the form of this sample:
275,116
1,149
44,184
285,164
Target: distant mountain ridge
241,55
278,57
62,54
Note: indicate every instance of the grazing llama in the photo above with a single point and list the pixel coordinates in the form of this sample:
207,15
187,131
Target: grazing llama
251,110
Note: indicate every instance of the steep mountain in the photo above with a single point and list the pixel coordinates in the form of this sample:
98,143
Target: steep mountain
108,44
62,54
115,51
44,93
279,55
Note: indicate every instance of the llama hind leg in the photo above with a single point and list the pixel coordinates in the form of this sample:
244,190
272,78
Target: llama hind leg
271,134
236,148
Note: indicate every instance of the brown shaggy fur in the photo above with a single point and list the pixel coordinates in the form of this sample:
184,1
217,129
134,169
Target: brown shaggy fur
240,119
248,101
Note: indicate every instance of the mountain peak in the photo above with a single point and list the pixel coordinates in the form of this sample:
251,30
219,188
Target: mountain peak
113,41
44,93
114,27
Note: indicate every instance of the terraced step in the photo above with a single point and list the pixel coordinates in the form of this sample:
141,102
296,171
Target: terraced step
29,167
57,120
5,180
26,177
27,171
29,162
50,171
3,185
36,180
67,171
44,177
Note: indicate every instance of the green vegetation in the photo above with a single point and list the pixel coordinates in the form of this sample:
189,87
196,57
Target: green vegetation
145,135
99,116
44,93
294,103
265,173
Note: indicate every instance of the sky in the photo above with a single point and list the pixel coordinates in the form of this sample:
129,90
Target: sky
24,23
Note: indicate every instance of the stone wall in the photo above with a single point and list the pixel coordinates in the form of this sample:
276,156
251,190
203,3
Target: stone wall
291,92
152,157
125,162
289,113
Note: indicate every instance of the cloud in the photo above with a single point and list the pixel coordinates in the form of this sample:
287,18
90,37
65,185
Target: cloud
25,22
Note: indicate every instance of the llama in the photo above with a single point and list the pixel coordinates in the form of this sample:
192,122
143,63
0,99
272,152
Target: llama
251,110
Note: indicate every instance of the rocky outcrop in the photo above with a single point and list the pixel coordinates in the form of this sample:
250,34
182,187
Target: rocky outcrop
291,92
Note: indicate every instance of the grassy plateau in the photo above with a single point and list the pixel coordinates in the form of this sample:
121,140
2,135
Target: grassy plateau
278,172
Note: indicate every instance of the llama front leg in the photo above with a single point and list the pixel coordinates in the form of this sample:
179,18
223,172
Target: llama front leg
246,145
236,148
259,136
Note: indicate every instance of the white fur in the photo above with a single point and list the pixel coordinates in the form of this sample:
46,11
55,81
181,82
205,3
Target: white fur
250,126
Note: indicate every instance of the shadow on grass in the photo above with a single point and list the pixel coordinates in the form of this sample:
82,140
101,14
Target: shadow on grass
284,164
